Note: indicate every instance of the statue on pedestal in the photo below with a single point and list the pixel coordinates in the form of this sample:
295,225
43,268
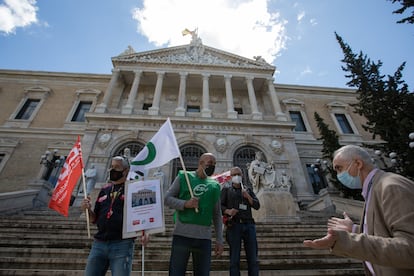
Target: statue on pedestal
261,174
272,190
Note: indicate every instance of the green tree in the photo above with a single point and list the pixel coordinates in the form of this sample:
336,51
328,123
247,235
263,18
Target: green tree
330,143
405,5
385,102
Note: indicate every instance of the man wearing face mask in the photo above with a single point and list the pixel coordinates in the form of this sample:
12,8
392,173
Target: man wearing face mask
236,204
109,250
193,218
384,240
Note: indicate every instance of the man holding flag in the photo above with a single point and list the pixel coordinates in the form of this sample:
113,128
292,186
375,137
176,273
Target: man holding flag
109,250
196,197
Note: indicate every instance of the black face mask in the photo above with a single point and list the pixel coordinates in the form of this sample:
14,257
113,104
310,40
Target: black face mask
115,175
209,170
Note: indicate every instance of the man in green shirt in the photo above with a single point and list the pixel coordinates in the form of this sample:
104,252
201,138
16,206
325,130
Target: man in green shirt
194,217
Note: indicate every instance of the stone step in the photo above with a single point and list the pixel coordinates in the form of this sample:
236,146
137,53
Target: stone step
297,272
163,252
156,264
41,242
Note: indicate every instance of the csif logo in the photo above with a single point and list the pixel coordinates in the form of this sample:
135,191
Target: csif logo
200,189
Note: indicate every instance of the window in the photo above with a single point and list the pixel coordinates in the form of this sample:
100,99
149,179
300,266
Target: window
344,124
82,108
296,116
27,109
191,154
193,108
2,156
146,106
239,110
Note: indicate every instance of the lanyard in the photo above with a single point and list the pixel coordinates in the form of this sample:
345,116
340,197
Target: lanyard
114,195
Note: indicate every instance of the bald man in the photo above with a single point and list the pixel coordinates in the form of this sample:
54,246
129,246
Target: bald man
193,218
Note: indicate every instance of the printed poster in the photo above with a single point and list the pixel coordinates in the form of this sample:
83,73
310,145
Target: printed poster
143,208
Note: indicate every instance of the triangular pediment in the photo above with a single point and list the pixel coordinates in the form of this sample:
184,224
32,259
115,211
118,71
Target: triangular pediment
292,101
191,54
337,104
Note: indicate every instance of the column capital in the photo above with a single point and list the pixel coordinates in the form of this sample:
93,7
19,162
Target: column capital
206,75
227,76
183,74
137,72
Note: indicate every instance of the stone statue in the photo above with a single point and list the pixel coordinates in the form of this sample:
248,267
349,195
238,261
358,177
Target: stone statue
284,182
261,174
90,176
127,154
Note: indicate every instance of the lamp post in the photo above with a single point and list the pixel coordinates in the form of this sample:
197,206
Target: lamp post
321,168
50,161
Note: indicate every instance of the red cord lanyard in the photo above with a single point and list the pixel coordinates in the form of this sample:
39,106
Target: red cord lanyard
113,195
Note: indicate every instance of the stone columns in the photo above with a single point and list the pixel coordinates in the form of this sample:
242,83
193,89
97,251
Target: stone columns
127,109
231,113
256,115
205,111
180,110
101,108
280,116
155,108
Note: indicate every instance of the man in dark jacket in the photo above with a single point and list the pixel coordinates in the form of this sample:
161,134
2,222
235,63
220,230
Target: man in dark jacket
236,204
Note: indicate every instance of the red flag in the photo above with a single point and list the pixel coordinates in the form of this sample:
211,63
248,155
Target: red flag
222,178
69,176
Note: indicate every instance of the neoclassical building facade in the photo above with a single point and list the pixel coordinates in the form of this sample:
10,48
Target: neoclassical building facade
217,102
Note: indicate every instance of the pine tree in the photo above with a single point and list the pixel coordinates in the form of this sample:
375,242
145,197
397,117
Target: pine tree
385,102
406,4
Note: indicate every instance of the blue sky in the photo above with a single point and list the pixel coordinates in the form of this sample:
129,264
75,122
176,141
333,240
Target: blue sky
296,36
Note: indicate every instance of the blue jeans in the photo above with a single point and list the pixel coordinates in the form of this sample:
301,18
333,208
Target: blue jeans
235,234
181,249
116,255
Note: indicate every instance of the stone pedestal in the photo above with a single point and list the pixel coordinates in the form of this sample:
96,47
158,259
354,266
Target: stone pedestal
275,206
45,189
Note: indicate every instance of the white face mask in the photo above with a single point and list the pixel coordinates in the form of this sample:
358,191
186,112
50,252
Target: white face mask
236,179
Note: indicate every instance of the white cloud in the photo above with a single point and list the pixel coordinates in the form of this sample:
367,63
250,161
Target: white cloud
243,27
17,13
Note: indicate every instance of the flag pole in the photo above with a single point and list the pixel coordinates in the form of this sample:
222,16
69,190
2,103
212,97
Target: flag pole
143,253
187,180
85,196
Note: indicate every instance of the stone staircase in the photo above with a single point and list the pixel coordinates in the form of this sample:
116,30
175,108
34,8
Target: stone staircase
41,242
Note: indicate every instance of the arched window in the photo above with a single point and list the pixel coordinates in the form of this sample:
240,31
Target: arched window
191,154
134,149
242,157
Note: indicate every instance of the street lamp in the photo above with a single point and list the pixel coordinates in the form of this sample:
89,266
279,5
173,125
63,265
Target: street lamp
50,161
411,136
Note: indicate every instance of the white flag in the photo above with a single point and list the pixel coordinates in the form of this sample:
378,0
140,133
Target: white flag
159,150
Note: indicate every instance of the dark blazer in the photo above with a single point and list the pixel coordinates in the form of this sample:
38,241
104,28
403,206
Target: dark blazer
389,244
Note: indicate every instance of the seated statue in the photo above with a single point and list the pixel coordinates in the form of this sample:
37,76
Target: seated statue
261,174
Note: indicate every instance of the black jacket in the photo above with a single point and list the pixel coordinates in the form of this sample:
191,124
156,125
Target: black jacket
231,197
